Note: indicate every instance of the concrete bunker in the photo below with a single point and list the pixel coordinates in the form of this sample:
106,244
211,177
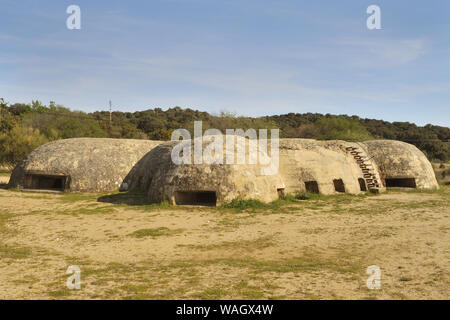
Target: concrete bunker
204,183
305,165
310,166
401,164
79,164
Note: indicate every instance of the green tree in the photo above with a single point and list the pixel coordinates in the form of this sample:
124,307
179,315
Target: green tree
63,124
342,129
18,143
7,120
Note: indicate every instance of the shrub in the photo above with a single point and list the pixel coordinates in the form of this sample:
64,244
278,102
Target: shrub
342,129
18,143
244,204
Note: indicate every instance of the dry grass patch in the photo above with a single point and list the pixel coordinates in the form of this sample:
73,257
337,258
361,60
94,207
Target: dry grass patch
155,232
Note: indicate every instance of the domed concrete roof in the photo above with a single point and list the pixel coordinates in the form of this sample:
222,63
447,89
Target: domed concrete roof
326,167
86,164
400,160
163,180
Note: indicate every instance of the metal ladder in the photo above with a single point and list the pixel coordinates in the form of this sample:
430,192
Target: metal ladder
367,169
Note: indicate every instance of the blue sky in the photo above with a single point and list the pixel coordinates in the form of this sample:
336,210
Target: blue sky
249,57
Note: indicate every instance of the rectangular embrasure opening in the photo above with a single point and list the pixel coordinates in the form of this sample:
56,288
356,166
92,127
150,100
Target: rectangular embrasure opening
339,185
362,184
401,183
45,182
311,187
196,198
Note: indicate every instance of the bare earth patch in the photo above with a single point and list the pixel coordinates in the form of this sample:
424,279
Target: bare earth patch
311,249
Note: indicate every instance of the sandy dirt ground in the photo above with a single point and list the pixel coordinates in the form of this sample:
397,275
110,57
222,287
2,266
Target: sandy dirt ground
311,249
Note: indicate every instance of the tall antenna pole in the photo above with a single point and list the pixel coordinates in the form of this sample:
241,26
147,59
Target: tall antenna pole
110,117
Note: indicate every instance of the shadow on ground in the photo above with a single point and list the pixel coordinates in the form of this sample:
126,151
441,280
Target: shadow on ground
131,199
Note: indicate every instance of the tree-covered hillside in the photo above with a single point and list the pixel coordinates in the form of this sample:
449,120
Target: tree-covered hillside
24,127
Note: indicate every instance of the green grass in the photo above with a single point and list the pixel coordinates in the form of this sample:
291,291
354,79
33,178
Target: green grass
9,252
309,200
291,202
110,268
405,279
443,190
60,293
297,264
252,293
240,204
211,294
243,288
97,210
338,198
156,232
134,288
247,245
343,262
254,205
4,216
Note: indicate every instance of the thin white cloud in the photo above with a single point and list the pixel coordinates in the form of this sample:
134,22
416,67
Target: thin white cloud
386,51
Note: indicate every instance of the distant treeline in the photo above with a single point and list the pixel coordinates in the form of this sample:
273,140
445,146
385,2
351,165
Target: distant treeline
24,127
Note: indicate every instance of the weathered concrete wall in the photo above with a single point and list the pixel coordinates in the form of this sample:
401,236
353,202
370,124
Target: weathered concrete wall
162,178
93,164
396,159
303,160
